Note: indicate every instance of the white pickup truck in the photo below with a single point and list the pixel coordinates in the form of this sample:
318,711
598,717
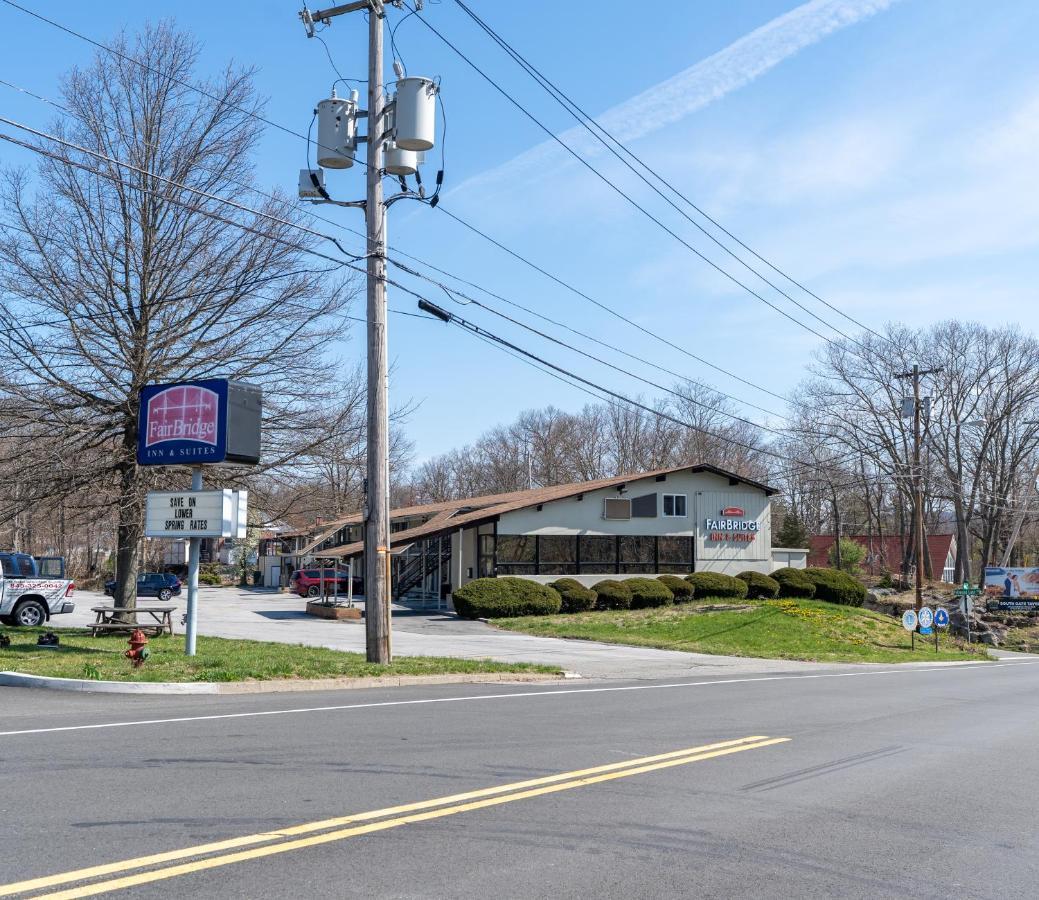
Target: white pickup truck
33,590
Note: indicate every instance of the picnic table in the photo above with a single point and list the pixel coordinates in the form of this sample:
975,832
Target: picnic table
162,620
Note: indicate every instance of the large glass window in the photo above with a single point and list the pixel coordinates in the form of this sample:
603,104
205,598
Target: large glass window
637,553
557,554
515,548
598,554
676,555
517,554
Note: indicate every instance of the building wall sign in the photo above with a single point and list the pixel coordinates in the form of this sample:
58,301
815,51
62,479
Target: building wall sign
739,531
198,422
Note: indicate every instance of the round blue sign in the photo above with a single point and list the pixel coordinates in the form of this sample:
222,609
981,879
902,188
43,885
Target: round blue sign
941,618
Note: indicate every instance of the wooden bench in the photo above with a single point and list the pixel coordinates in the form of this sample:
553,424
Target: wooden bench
107,621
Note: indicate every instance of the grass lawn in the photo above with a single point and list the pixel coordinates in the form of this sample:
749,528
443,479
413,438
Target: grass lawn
773,629
101,658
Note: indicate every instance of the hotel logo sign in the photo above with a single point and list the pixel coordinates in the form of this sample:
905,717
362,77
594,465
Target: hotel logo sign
193,423
731,526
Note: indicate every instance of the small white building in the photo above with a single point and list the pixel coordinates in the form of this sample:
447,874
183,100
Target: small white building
680,520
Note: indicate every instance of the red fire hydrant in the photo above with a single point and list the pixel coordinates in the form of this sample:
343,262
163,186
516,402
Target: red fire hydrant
138,651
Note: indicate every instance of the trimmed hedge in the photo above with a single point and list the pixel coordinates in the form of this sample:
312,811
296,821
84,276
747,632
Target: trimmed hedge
612,595
495,598
759,586
576,597
835,586
681,588
647,592
714,584
794,583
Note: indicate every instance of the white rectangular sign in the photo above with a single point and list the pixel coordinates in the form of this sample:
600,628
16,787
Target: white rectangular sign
240,514
186,514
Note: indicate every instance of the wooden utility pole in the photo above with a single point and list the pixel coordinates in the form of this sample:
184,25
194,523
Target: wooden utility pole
377,582
377,519
918,490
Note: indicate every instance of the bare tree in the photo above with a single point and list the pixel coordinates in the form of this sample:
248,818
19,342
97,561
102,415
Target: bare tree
113,277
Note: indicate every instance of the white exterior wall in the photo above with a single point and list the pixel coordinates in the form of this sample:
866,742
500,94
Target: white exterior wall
792,557
706,495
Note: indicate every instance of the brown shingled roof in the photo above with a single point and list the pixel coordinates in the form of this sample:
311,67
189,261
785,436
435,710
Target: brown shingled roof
454,514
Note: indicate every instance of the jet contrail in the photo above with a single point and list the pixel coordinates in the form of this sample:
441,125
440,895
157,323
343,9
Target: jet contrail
738,64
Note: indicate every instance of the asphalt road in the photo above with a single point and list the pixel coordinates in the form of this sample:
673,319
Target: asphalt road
895,783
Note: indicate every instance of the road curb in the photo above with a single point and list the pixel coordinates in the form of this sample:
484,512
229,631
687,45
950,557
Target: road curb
17,679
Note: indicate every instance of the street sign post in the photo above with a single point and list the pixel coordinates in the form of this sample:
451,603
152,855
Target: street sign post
965,593
909,623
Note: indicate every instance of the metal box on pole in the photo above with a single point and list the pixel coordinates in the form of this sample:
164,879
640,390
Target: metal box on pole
336,132
415,115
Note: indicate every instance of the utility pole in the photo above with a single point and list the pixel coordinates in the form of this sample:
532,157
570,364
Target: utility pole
377,559
918,492
394,149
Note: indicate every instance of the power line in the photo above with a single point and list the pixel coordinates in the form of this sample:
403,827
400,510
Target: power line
631,200
607,139
421,298
478,331
441,206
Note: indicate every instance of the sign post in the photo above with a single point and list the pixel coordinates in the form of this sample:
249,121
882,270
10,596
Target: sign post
965,593
194,548
941,620
909,622
196,423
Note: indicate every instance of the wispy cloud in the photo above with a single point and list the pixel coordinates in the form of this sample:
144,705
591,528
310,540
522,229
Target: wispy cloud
738,64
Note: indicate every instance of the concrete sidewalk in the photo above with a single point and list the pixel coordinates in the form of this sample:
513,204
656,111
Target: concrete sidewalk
267,615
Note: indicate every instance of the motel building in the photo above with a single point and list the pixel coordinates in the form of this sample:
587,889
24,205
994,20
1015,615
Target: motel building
680,520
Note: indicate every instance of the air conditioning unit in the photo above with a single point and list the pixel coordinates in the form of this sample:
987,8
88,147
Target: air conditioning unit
616,508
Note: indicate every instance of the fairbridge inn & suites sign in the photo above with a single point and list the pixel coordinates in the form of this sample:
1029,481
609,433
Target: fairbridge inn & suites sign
731,526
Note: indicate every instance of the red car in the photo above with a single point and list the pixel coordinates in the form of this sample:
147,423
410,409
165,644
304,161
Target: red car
307,582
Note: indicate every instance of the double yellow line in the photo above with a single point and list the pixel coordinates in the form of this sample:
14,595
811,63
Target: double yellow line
287,839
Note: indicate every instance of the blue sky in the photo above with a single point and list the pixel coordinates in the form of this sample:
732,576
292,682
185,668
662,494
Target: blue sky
881,151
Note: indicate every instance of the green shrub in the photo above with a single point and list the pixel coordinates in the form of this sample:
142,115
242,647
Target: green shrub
612,595
794,583
714,584
494,598
852,554
759,586
834,586
209,578
647,592
681,588
886,581
576,597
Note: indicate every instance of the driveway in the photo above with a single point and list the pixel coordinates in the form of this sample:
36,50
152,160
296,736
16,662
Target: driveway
266,615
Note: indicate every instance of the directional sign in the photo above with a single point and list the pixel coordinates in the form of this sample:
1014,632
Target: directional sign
966,605
941,618
926,617
909,620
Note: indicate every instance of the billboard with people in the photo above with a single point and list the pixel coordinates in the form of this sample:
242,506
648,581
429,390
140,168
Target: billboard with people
1012,588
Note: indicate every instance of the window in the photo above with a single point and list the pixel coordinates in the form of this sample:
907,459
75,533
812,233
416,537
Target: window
517,554
637,553
485,556
557,554
515,548
598,554
674,505
675,554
